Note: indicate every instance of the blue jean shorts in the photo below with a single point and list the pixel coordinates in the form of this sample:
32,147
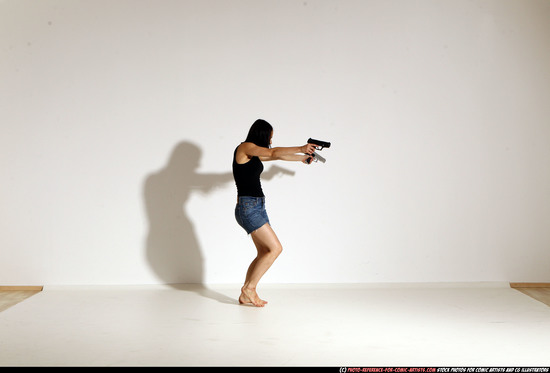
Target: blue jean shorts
250,213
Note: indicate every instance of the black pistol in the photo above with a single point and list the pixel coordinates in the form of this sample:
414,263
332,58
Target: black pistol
319,145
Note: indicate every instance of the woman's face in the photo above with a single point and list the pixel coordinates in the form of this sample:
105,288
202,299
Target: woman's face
271,138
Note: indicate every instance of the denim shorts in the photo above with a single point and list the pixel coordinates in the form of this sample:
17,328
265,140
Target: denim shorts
250,213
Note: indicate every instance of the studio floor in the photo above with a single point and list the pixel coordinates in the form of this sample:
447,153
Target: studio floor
302,325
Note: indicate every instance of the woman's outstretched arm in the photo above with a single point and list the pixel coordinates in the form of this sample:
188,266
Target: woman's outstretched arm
290,157
279,153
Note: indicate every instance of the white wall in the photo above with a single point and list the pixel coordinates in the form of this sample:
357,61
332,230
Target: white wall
119,120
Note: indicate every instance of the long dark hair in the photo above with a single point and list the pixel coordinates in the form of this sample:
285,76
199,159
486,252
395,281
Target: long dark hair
260,133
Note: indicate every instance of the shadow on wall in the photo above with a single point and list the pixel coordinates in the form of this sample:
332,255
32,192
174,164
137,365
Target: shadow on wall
172,246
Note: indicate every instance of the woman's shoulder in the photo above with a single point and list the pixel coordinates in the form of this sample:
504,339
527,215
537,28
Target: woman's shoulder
241,157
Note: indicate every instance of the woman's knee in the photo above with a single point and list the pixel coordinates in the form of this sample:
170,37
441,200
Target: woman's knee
277,249
266,241
273,250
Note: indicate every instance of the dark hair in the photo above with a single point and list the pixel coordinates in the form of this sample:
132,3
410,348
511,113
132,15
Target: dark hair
260,133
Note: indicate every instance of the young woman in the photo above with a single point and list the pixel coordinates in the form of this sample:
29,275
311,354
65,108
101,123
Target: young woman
250,210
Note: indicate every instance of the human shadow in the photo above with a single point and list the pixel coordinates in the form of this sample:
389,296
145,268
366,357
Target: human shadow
172,247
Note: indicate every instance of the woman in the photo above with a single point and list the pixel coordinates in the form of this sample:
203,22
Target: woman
250,210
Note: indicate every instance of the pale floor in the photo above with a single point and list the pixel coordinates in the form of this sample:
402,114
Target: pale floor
315,325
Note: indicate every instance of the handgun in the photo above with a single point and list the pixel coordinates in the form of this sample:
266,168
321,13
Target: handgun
319,145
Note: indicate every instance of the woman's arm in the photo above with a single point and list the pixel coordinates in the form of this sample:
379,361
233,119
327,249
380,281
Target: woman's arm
291,158
279,153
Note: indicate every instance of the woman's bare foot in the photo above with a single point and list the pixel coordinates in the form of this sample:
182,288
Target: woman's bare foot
249,296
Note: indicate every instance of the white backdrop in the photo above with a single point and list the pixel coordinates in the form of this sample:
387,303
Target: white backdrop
119,119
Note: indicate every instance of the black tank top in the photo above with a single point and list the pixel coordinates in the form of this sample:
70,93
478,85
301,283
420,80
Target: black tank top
247,177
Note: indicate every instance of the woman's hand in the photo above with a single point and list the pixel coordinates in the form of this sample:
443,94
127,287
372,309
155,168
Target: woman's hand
306,158
308,148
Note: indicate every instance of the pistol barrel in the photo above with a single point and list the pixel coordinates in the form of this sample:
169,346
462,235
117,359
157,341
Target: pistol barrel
322,144
319,158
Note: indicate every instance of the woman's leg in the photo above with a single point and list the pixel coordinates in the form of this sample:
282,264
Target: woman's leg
269,248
